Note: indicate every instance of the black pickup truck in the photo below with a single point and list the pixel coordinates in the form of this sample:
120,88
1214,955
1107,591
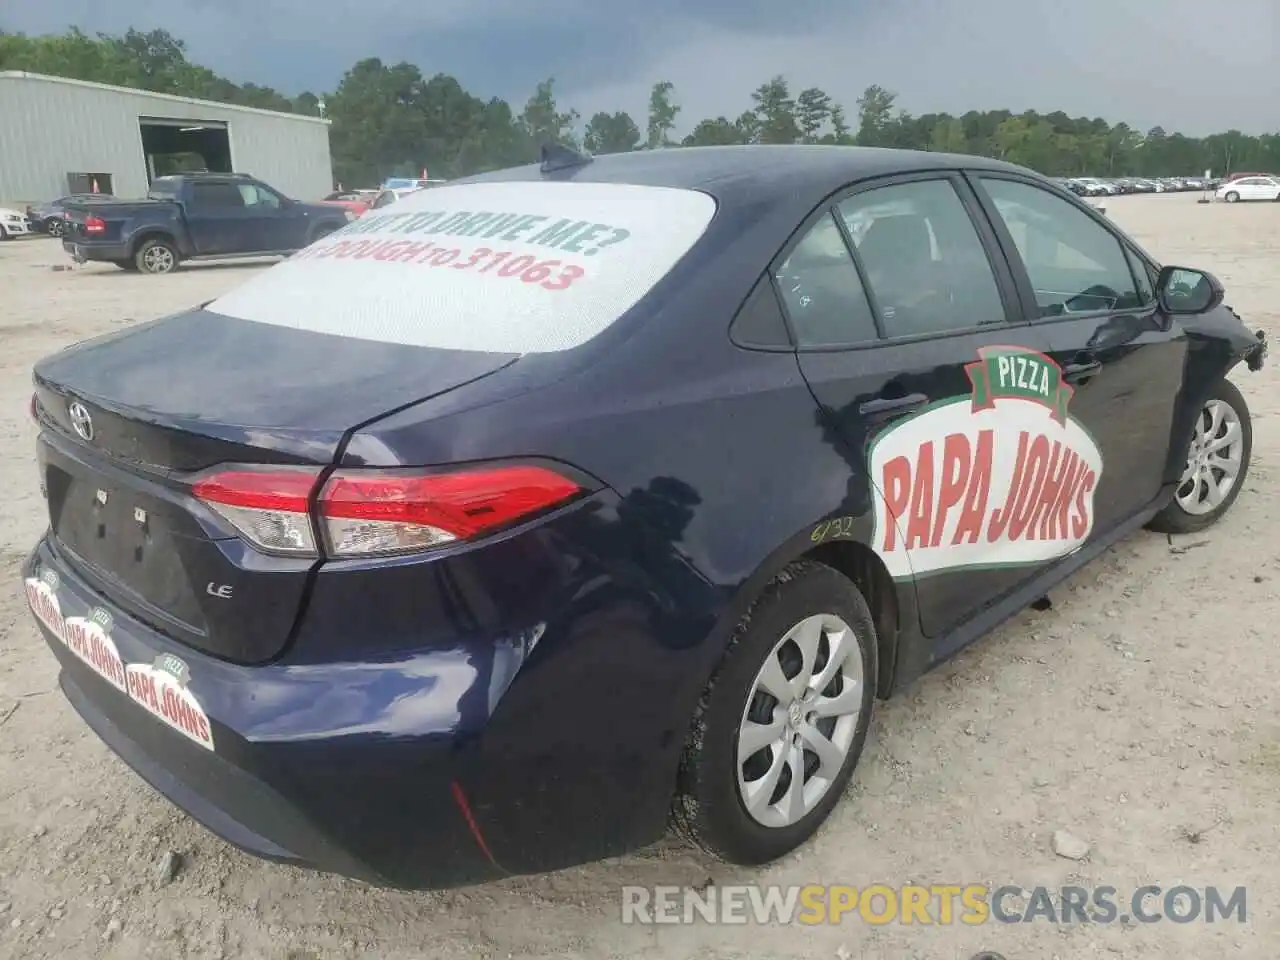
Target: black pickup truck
196,216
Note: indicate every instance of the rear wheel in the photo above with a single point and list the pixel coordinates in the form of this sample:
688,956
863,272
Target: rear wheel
1217,463
1232,197
4,234
156,256
780,728
56,228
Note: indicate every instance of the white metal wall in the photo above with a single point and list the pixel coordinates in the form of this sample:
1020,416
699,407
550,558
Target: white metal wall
49,127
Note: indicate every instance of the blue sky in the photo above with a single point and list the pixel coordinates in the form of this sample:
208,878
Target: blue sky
1178,63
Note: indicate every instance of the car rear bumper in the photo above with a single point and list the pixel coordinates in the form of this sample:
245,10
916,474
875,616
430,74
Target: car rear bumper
80,251
282,787
414,770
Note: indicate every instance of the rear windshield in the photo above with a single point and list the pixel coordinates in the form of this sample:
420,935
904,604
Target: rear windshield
503,267
163,188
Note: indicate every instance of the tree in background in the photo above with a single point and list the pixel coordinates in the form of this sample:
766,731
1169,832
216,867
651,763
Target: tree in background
662,115
875,116
611,133
393,120
543,121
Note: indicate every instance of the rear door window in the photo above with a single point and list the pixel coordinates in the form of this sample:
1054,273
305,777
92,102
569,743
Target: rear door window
505,267
822,291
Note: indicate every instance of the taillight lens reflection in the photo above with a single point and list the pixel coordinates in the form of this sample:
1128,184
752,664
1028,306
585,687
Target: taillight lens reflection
364,513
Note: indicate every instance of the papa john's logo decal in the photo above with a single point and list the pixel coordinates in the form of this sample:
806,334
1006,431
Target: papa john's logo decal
42,594
1002,477
161,688
89,638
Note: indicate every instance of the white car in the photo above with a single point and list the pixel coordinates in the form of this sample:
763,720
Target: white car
390,195
1250,188
13,224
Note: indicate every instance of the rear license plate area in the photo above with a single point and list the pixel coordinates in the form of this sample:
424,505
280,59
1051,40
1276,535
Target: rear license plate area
120,538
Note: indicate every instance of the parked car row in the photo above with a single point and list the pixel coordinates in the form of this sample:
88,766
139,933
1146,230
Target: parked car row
1114,186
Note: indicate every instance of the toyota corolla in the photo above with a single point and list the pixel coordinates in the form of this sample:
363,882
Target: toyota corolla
494,532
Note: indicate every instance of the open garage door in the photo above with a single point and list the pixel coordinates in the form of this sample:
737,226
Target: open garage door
180,146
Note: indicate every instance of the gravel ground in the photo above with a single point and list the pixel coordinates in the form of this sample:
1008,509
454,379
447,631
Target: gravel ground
1139,713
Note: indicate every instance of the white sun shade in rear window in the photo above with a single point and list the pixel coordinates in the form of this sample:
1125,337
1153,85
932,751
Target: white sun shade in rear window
504,267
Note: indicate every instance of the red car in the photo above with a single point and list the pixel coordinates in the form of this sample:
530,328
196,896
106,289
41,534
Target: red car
357,201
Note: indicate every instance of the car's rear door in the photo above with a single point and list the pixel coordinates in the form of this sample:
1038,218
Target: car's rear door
214,212
1092,295
909,348
270,222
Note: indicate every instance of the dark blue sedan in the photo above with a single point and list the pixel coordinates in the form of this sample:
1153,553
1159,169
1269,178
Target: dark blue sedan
490,535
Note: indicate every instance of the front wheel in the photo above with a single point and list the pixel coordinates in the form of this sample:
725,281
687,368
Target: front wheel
780,728
156,256
1217,463
1232,197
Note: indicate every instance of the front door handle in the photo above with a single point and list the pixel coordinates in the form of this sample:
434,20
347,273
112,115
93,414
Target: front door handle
1079,372
885,408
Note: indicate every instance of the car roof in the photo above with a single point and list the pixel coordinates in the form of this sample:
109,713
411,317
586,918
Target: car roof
799,174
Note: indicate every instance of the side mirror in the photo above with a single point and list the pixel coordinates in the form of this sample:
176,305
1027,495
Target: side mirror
1184,291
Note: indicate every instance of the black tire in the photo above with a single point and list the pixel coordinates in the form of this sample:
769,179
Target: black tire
1232,197
4,234
1174,518
708,807
55,228
150,257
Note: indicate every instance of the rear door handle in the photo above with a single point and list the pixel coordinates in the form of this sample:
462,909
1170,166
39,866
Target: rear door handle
885,408
1085,370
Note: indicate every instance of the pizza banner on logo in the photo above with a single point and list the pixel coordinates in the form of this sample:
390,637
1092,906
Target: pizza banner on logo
1002,477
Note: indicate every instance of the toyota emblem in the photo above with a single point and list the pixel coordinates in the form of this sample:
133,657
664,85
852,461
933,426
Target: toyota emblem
81,421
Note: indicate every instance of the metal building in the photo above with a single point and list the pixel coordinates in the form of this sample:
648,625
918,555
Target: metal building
60,136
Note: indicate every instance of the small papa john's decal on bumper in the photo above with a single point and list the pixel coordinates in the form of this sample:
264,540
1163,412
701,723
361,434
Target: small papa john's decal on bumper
160,687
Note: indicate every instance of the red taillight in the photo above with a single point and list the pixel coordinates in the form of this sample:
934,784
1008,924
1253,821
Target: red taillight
364,513
267,505
95,225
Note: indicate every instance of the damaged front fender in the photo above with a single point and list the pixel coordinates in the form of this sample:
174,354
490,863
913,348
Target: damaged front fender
1228,340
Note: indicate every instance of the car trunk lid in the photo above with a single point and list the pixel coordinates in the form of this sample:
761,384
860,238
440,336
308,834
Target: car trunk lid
132,417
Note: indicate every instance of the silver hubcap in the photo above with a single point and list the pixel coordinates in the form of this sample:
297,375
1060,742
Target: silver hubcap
800,720
159,260
1213,461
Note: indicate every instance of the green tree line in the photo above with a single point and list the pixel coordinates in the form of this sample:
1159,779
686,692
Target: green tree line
392,120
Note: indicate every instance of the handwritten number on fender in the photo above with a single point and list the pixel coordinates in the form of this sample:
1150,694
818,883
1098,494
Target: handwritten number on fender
831,529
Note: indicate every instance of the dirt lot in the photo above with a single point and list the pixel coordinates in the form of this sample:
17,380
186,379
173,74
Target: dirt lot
1140,713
